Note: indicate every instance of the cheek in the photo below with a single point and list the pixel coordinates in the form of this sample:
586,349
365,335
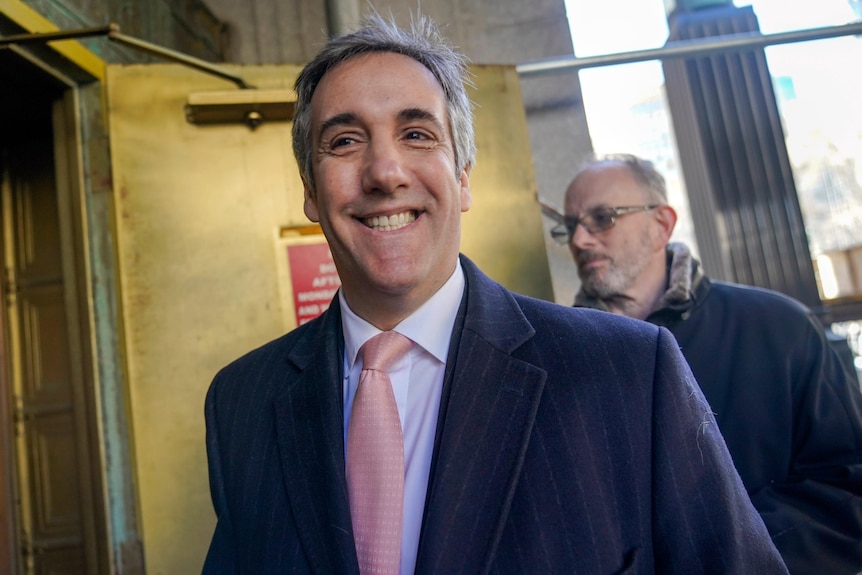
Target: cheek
619,248
338,179
652,237
333,186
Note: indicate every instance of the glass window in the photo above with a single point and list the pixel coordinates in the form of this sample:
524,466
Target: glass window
626,105
626,111
818,91
819,107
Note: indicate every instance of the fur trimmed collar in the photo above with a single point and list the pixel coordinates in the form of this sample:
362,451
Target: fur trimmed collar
684,279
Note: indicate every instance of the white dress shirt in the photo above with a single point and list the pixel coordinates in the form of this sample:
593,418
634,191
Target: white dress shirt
417,381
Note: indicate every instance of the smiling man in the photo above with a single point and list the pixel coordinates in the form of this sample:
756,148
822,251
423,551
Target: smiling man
387,192
502,434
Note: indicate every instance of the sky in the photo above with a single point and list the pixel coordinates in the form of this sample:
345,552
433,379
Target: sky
598,28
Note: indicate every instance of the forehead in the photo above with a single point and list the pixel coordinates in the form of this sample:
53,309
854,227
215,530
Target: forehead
376,83
604,185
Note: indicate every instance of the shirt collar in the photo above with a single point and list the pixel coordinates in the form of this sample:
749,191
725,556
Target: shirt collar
430,326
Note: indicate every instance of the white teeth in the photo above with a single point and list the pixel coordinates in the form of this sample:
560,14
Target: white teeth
390,223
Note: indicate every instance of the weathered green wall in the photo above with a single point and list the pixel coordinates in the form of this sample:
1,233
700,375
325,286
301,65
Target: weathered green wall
187,26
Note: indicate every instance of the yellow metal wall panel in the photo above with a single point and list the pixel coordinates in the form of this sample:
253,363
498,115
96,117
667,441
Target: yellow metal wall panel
199,209
502,232
196,209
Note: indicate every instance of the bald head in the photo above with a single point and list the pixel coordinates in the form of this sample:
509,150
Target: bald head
642,172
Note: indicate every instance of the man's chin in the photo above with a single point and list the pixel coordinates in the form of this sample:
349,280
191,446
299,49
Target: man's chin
590,279
598,289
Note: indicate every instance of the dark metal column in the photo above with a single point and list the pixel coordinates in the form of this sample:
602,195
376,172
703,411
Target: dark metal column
731,144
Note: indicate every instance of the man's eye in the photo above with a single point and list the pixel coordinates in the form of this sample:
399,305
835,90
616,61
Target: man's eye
602,219
342,141
420,138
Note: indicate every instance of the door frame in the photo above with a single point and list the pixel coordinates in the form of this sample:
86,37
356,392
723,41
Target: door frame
85,201
9,543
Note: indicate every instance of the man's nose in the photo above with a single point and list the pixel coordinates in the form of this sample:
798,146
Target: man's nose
581,237
385,168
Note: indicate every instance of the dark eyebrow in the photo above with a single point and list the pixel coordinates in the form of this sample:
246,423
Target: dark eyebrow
406,115
343,119
419,114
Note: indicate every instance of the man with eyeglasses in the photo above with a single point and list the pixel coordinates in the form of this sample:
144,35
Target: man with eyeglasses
790,414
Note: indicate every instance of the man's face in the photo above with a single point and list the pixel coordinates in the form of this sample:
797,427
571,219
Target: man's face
387,193
610,263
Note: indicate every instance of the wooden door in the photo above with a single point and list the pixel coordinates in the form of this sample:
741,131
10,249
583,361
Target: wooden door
48,514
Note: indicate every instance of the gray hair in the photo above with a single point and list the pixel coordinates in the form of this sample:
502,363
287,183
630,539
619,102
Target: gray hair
643,171
424,43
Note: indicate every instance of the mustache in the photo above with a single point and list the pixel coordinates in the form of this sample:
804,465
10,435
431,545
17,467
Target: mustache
587,256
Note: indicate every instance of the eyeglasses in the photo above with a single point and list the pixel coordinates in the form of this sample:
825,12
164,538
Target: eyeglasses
594,221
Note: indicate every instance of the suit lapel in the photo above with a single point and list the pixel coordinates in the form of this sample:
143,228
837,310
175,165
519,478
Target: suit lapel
309,426
491,399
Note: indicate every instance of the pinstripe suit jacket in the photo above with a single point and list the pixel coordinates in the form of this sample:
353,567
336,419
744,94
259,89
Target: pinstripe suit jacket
569,441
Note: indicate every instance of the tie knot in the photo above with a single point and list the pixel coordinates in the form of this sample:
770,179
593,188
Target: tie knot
383,349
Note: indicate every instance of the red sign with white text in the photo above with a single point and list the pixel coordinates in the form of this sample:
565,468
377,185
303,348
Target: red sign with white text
313,278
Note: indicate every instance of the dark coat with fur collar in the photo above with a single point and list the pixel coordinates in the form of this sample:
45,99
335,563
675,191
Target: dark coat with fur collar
791,415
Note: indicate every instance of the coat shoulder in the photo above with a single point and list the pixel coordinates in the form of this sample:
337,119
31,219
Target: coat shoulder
555,320
588,340
263,354
275,356
759,301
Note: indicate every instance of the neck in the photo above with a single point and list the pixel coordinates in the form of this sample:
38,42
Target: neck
648,294
384,313
644,297
628,308
385,310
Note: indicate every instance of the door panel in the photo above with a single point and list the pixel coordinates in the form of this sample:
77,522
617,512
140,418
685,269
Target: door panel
41,374
61,562
56,528
46,361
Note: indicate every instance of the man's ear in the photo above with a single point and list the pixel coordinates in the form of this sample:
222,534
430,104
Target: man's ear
464,181
665,216
310,205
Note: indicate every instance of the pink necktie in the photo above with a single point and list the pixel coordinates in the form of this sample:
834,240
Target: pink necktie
375,459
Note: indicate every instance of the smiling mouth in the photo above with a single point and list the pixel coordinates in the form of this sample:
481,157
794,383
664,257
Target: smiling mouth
390,223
